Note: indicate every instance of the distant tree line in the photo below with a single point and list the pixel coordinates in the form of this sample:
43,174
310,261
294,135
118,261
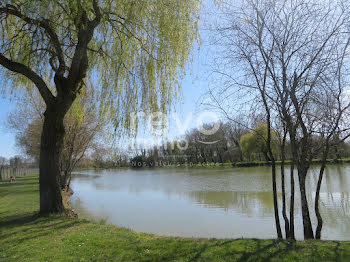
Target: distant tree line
104,157
16,161
231,143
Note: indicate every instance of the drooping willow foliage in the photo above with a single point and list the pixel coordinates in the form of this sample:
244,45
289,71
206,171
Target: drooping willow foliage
138,52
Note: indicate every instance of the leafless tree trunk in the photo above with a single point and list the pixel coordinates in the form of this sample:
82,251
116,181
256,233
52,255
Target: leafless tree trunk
291,210
317,195
273,163
283,157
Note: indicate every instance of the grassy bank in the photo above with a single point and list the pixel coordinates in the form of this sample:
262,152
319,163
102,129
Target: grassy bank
24,236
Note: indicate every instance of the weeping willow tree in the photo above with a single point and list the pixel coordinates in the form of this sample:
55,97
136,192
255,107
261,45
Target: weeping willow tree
135,50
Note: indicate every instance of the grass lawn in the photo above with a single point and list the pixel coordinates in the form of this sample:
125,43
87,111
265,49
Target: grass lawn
24,236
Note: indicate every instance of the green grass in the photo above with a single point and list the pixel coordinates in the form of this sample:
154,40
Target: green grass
25,236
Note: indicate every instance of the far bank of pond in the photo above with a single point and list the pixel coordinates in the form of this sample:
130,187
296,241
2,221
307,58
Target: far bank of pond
173,164
206,202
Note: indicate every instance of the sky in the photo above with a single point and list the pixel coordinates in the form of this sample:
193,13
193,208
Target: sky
7,138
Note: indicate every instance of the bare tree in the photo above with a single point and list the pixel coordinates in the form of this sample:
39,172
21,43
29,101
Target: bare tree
333,109
234,133
283,55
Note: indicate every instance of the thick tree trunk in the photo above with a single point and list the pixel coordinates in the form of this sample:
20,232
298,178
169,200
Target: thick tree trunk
308,232
291,211
51,146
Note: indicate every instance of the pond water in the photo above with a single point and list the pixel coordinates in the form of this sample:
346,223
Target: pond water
212,202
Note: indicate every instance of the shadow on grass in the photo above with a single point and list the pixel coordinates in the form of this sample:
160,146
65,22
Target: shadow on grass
281,249
30,226
16,220
267,252
276,250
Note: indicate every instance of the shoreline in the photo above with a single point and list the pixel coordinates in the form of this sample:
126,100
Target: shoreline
223,165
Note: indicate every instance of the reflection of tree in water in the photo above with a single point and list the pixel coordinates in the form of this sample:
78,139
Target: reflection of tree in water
334,198
335,209
249,203
84,177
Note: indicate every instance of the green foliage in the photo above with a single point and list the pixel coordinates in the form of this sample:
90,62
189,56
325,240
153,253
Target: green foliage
26,237
248,143
255,142
136,56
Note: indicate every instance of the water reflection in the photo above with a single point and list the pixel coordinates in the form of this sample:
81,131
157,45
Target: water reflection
206,202
240,201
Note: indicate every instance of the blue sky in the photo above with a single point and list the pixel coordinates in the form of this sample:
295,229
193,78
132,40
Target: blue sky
7,138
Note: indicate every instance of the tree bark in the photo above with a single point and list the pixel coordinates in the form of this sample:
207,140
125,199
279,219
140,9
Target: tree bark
68,182
275,204
286,221
291,211
317,196
317,211
308,232
51,147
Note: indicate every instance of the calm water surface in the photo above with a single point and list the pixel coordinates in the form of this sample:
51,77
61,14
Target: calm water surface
215,202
